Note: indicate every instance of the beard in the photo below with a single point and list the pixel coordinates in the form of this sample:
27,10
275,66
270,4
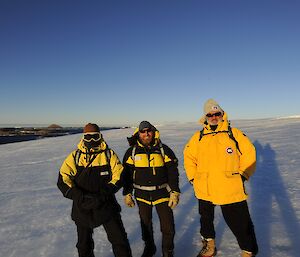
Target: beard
146,141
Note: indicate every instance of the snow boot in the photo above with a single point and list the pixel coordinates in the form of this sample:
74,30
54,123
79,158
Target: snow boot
208,249
149,250
91,254
247,254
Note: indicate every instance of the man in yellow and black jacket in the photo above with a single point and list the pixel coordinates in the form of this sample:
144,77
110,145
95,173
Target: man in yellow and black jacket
150,170
90,176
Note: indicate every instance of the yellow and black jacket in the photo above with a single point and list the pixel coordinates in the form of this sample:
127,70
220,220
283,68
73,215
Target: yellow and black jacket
148,167
91,173
216,166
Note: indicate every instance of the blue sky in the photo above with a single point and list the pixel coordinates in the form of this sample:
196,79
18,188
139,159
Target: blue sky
120,62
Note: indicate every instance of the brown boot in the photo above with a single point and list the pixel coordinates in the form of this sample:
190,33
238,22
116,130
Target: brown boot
247,254
208,249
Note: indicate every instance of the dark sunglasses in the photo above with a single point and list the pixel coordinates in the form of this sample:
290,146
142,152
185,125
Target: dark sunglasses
91,137
217,114
145,130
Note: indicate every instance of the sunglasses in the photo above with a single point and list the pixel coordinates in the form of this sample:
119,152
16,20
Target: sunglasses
91,137
217,114
145,130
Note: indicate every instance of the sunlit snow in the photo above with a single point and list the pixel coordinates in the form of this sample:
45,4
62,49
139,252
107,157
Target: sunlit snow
35,217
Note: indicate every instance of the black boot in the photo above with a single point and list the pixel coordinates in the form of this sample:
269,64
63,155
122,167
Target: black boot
89,255
149,250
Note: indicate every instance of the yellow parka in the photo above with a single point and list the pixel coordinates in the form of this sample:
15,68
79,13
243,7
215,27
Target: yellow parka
215,166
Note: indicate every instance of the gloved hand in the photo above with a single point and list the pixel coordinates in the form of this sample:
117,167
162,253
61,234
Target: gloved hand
110,188
174,199
107,191
76,195
128,200
243,178
90,201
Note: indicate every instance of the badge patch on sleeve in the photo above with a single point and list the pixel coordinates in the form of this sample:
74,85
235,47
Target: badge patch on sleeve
229,150
137,158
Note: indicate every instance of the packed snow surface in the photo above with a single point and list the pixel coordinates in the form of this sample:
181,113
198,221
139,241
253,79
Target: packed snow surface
35,217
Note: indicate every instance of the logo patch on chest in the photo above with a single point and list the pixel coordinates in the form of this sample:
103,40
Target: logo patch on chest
137,158
229,150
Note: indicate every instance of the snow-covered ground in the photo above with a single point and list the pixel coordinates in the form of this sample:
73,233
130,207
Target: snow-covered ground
35,217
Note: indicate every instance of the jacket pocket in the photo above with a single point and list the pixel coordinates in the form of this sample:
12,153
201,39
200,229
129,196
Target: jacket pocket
232,174
235,182
201,183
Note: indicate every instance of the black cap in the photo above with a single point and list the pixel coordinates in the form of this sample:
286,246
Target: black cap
145,125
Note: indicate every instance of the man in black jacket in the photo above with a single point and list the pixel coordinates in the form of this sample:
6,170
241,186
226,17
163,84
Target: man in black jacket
90,176
150,169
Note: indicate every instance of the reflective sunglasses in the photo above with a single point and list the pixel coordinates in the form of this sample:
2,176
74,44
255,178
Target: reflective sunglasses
88,137
217,114
145,130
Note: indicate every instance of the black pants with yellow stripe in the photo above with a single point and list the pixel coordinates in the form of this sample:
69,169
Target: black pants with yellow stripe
167,226
115,233
236,216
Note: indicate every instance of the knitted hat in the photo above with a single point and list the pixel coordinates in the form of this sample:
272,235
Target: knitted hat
211,106
91,127
145,125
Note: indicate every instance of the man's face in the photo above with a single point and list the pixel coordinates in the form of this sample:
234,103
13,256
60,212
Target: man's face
146,136
213,118
92,139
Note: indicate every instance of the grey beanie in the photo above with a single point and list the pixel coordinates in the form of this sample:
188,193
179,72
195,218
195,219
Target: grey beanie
212,106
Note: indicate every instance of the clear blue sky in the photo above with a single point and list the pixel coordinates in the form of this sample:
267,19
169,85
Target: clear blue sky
120,62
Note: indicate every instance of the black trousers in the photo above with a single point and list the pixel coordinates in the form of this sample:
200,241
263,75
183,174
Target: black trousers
167,226
236,216
115,233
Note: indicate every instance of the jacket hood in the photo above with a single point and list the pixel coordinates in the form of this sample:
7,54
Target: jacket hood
133,140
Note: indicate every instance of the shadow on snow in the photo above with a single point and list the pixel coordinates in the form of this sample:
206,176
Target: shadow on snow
268,188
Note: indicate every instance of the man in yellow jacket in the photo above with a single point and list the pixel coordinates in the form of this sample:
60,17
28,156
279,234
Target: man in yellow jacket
217,161
90,176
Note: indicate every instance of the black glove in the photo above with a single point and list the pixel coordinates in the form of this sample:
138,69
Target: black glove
76,195
243,178
107,191
90,201
110,188
85,201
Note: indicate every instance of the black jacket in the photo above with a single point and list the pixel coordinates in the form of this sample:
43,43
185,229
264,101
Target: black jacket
91,181
150,166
